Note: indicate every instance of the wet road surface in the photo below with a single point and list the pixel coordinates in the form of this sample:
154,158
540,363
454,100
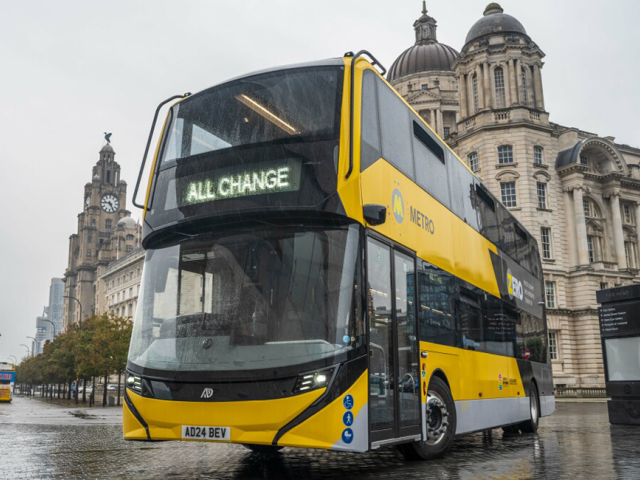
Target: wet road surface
38,440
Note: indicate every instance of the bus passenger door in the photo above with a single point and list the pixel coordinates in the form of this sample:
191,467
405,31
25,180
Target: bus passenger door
394,394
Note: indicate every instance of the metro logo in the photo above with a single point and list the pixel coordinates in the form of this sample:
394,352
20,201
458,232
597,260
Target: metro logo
397,206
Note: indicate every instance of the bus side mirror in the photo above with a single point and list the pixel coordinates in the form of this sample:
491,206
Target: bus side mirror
374,214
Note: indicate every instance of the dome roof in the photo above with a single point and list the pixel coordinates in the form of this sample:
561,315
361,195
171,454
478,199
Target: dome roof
423,58
127,222
107,148
427,54
494,21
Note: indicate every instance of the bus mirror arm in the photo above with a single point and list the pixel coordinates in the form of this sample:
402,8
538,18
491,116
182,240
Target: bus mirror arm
374,214
146,150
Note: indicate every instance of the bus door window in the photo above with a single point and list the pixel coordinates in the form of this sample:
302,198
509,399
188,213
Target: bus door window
409,379
381,362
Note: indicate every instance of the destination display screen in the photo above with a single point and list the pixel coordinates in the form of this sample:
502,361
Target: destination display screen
238,181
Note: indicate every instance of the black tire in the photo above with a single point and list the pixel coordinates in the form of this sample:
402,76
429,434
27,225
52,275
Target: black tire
531,425
266,450
441,413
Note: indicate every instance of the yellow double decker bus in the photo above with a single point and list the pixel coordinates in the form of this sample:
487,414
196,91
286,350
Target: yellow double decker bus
7,379
322,271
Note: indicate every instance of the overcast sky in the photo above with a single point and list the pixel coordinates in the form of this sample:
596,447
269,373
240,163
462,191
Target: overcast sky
71,70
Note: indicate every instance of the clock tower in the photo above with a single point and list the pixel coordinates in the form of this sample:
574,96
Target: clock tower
100,238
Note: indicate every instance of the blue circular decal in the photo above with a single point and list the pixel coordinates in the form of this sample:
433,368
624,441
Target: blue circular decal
346,339
348,402
347,418
397,206
347,435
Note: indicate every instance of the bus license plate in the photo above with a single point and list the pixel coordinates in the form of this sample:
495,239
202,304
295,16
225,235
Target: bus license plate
206,433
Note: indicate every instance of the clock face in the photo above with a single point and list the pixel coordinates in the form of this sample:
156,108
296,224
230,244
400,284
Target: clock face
109,203
87,202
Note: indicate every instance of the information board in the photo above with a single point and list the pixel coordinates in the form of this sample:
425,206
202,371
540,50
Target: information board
620,319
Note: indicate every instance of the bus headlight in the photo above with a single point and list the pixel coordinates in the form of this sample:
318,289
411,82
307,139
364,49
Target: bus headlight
134,383
312,380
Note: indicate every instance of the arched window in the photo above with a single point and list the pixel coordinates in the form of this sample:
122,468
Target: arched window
500,92
630,248
538,158
474,87
523,93
591,210
473,161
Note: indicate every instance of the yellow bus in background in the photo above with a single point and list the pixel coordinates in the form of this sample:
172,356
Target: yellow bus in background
322,271
7,379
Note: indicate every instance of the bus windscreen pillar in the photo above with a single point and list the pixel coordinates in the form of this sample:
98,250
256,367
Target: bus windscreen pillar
620,332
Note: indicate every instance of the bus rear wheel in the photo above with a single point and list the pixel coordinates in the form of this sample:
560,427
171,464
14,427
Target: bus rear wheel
265,450
531,425
441,425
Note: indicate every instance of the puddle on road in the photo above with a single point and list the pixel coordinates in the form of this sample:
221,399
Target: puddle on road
82,414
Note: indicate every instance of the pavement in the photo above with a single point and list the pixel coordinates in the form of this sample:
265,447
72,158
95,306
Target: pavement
40,440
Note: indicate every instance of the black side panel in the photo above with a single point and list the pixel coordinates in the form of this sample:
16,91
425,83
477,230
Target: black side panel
346,376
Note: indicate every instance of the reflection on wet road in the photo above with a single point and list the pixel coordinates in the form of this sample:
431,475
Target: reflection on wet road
42,441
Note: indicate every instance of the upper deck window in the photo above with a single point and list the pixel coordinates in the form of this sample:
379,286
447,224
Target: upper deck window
287,105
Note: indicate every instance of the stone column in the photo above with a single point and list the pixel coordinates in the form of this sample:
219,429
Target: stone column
530,94
487,85
519,82
512,83
637,216
432,122
581,226
480,87
618,235
537,85
462,86
507,90
440,123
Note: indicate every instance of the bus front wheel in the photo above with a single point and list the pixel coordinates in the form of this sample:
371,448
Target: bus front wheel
441,425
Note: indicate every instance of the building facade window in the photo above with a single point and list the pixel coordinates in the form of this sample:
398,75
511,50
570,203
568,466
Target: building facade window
508,194
107,224
626,213
553,345
88,252
473,161
523,92
93,223
542,195
128,248
500,92
545,241
590,210
505,154
631,254
550,293
584,160
474,87
591,248
89,239
447,130
603,285
537,155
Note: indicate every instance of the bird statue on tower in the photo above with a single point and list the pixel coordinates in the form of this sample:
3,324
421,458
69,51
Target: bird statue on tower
107,137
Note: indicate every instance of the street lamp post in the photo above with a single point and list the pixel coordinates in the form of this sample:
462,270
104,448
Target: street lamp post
14,359
35,344
54,327
79,304
23,345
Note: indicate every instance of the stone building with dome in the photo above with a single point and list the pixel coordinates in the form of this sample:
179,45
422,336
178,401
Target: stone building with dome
577,192
106,232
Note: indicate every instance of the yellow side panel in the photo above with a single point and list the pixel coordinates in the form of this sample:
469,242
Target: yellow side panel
130,425
325,428
473,375
255,421
432,231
